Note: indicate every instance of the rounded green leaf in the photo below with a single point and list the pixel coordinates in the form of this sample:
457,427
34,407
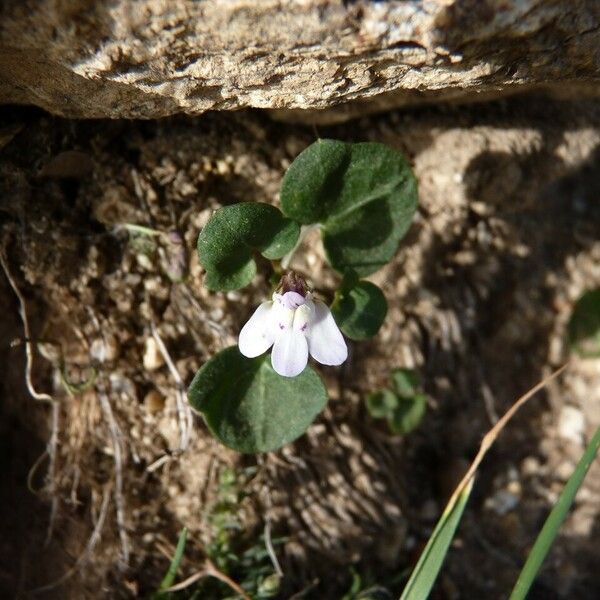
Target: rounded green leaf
408,414
313,181
405,382
584,325
364,196
360,310
249,407
382,404
233,233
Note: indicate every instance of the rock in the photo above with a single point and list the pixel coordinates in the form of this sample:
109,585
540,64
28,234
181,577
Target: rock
105,349
153,359
151,58
154,402
571,424
502,502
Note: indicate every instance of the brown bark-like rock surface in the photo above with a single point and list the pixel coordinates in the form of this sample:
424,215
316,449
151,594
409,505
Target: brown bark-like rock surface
150,58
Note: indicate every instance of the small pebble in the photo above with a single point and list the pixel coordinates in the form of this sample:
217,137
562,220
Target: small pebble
502,502
564,470
105,349
152,357
154,402
217,314
571,424
530,466
51,352
144,262
222,167
148,538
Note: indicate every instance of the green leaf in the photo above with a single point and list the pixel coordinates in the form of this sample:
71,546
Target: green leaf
382,404
430,562
169,578
404,408
249,407
553,522
408,414
360,310
364,196
313,181
405,382
584,325
233,233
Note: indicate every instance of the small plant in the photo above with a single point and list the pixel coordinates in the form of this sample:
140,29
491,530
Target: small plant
584,337
584,325
236,565
362,197
171,573
364,589
403,407
245,560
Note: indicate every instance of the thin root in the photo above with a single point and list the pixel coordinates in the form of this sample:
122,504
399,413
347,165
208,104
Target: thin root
184,414
115,434
52,446
89,549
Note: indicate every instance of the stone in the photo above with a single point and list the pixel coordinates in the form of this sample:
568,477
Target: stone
571,424
150,58
105,349
502,502
154,402
153,359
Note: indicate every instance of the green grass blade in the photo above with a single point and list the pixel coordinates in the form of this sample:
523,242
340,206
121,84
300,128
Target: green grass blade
425,573
553,522
169,578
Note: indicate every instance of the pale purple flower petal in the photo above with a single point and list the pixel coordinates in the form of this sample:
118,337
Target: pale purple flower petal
281,318
258,334
290,353
302,317
294,325
291,300
325,341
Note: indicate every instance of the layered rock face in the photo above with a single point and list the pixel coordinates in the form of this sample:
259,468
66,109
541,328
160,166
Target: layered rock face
151,58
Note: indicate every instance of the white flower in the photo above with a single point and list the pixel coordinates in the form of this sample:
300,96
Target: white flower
295,325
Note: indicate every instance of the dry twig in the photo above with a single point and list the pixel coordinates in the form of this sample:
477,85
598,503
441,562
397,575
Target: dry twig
490,437
209,570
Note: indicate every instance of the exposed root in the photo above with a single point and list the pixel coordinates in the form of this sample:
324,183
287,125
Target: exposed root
115,434
52,445
223,336
89,549
270,549
184,413
52,450
267,531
